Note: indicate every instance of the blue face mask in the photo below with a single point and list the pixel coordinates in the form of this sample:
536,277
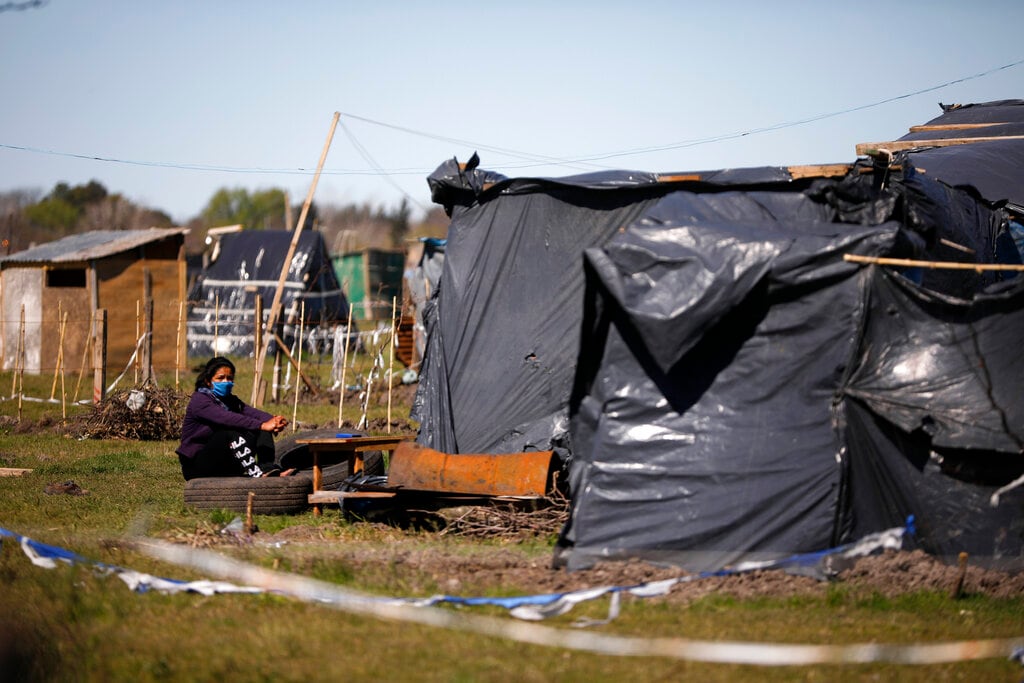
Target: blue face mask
222,389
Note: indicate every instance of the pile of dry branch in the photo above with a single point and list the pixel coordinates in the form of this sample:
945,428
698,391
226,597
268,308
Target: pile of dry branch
144,414
512,520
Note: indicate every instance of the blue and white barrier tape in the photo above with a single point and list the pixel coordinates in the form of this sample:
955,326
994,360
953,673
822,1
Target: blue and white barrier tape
259,579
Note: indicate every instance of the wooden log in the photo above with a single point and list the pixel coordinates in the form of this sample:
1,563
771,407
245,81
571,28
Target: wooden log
275,307
874,148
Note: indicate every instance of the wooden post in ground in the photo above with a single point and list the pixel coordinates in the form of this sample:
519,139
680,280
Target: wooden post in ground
60,356
81,368
60,349
147,344
298,368
275,307
138,333
99,357
21,361
177,346
344,364
391,361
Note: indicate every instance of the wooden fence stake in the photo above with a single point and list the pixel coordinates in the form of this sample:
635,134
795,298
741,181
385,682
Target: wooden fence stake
63,392
81,368
21,361
147,344
60,349
99,358
298,368
344,363
391,359
177,346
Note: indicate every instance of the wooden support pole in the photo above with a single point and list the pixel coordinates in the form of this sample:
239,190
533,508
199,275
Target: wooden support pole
344,363
60,349
21,361
177,345
391,361
81,368
298,367
147,344
63,392
138,332
275,307
99,358
948,265
216,323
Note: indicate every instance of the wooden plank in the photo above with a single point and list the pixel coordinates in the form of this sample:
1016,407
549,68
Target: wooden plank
679,178
872,148
952,126
322,497
13,471
819,171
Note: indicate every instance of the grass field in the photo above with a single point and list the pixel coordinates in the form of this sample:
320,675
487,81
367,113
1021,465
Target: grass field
73,624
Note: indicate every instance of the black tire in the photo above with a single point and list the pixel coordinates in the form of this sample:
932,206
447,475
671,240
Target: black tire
273,495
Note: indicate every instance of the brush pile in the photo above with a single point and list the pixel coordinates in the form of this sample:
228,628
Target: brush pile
518,520
142,414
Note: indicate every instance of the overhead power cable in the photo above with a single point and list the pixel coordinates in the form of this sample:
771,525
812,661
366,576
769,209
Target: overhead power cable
528,159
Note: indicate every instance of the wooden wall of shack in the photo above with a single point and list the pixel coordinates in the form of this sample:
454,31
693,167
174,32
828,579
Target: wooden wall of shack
117,283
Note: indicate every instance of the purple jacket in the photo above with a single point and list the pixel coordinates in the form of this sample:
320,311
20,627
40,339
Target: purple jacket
206,414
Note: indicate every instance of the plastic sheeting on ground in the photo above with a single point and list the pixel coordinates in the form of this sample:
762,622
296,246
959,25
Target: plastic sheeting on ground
529,607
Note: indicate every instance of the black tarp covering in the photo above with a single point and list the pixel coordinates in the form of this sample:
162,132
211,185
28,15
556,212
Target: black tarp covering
504,331
249,265
687,348
714,424
991,168
706,435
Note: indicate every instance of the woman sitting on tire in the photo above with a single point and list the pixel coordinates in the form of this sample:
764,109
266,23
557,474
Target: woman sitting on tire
223,437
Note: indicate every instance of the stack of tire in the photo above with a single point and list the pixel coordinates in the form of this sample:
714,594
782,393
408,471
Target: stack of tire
277,495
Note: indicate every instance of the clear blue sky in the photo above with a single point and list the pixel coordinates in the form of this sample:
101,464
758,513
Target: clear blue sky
245,91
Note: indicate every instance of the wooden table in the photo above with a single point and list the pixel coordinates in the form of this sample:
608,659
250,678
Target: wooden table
352,448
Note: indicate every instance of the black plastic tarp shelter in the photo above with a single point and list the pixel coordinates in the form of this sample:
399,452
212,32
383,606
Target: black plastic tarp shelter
722,383
248,265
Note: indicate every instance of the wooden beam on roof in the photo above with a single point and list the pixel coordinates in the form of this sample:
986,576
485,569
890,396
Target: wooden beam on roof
872,148
819,171
953,126
679,178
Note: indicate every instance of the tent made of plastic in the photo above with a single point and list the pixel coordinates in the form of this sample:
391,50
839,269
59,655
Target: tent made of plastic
247,267
721,380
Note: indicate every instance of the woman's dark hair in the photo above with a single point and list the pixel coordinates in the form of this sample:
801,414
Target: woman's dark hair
212,365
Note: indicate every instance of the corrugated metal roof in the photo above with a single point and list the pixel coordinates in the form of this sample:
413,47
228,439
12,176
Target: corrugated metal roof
90,245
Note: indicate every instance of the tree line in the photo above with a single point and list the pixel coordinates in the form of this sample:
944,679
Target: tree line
26,218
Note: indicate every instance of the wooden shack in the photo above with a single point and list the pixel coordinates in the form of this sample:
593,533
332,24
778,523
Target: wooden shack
115,270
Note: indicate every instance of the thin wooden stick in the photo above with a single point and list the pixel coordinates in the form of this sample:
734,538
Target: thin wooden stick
21,361
949,265
344,364
138,333
216,323
177,345
81,368
60,349
391,359
298,369
63,391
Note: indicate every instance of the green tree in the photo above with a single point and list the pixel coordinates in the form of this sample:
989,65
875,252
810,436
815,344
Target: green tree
260,210
57,215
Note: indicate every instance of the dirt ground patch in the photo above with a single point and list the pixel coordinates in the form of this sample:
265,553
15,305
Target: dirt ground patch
459,572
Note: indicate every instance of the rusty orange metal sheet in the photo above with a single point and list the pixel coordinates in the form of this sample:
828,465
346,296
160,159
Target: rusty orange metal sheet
418,468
